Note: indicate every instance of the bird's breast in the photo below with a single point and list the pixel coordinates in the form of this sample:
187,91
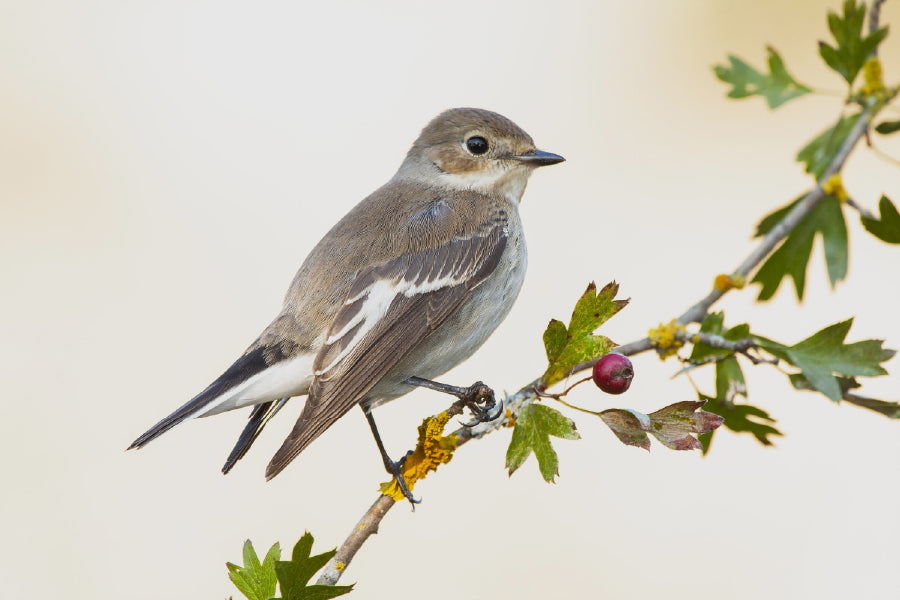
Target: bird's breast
467,329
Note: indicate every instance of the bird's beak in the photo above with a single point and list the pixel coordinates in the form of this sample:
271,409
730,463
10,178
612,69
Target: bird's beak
538,158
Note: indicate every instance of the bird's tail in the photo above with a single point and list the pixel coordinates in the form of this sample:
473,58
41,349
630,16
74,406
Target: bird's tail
248,365
261,415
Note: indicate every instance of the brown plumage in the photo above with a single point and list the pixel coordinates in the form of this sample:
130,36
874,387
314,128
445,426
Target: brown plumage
409,283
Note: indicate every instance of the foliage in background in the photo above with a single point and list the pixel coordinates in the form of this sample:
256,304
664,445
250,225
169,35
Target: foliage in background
822,363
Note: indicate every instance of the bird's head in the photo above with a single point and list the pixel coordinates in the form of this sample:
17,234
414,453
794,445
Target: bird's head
475,149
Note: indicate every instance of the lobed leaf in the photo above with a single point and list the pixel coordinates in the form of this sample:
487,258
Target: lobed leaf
730,384
884,407
568,346
713,323
792,256
740,418
630,426
852,49
888,409
777,86
730,381
887,227
294,575
824,356
555,338
534,425
768,222
821,150
671,425
255,580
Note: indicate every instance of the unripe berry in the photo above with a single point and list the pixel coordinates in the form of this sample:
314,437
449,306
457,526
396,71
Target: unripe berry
613,373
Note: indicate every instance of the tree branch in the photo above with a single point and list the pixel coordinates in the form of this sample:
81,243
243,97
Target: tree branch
512,404
696,312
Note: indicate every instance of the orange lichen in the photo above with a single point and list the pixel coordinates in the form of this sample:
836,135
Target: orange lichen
724,282
834,186
432,449
665,338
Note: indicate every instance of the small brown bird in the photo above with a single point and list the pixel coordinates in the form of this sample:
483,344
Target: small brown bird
408,284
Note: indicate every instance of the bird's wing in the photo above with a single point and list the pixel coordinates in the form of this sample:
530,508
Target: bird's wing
390,309
261,414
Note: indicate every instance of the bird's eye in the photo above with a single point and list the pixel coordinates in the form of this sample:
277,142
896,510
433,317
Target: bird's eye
477,145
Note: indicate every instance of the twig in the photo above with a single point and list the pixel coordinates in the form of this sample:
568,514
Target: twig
875,15
364,528
559,395
370,521
696,312
862,210
884,156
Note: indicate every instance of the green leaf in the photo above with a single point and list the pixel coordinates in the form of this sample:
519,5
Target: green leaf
792,257
555,338
777,86
852,49
802,383
741,418
254,580
824,354
774,218
730,381
888,409
730,384
534,425
887,228
712,323
294,575
818,153
888,127
568,346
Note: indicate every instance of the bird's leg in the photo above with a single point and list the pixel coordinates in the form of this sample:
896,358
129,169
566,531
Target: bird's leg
478,398
394,468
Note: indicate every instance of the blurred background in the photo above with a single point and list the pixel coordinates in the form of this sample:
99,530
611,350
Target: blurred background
166,166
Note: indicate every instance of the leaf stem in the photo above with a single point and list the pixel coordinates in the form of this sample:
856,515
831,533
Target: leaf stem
578,408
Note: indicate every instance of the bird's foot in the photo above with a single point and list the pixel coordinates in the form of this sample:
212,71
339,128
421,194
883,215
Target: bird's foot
395,468
478,398
480,401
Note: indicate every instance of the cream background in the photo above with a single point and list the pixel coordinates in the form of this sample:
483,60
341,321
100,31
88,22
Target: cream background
164,169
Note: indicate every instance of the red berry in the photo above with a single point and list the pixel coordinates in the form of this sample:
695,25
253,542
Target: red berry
613,373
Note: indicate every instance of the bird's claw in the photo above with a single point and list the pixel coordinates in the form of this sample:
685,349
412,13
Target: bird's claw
480,400
396,469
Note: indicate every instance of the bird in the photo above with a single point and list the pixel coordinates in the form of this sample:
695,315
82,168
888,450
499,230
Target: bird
408,284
